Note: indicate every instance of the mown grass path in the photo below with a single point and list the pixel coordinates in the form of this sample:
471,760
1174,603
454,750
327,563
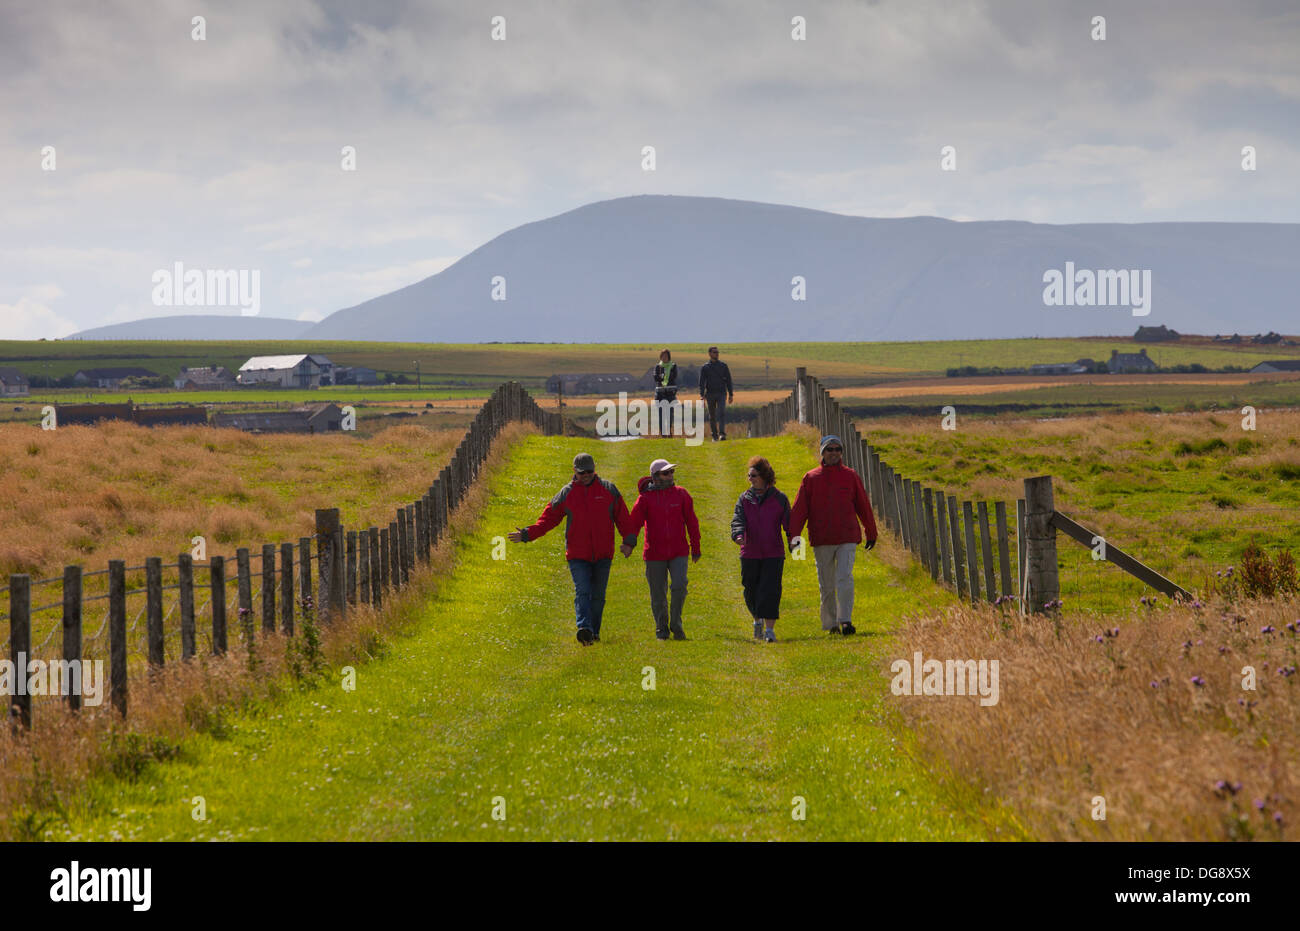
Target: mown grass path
490,697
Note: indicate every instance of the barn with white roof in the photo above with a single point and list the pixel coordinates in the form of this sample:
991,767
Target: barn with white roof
300,371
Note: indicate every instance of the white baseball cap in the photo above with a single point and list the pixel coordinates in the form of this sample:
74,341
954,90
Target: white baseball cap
660,465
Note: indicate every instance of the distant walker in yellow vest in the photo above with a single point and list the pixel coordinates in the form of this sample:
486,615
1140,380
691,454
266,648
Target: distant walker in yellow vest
665,391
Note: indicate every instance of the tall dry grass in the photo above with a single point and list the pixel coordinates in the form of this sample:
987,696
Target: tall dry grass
1147,711
42,769
84,495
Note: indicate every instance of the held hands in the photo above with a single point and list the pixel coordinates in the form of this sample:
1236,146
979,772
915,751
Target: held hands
625,550
738,539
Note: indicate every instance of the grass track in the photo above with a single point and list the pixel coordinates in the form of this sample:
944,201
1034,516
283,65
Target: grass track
490,695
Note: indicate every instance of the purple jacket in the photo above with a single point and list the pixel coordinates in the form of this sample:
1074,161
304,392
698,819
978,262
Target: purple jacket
761,518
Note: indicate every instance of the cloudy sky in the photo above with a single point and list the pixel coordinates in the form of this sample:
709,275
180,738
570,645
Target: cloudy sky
225,153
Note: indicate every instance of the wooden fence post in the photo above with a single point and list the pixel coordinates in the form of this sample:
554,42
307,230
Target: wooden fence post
1040,540
1004,557
958,560
217,571
801,394
268,588
329,602
352,567
72,623
304,572
932,546
286,589
394,558
244,572
185,595
153,609
20,647
363,567
972,563
1020,555
945,542
117,634
376,567
986,549
385,574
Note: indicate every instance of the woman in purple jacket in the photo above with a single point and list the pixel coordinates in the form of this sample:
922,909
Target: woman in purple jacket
762,513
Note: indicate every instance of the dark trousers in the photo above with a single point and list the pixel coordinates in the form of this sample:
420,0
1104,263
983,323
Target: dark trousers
762,581
663,398
717,414
589,581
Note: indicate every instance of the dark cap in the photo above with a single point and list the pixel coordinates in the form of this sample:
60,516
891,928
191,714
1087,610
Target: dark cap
584,463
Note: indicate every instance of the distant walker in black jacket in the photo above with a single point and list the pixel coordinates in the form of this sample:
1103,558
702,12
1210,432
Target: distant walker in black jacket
665,390
716,390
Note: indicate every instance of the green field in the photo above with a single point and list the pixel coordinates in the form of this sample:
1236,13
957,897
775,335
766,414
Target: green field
754,364
489,698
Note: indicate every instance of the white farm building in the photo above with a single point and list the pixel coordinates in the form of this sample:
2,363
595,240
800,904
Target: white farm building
301,371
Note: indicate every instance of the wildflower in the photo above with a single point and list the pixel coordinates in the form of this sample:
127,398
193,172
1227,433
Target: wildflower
1112,632
1277,818
1097,638
1287,672
1155,684
1267,629
1197,603
1228,573
1259,804
1198,681
1222,650
1187,645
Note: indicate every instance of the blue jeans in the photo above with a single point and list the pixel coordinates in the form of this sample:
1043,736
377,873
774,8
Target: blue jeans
589,581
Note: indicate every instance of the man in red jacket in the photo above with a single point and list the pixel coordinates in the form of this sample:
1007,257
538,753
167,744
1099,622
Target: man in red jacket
591,509
831,501
668,514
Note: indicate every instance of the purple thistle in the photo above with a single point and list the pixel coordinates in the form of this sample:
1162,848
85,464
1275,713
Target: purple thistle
1277,818
1198,681
1267,629
1155,684
1259,804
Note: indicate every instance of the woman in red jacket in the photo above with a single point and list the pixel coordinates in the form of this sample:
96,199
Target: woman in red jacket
668,514
761,514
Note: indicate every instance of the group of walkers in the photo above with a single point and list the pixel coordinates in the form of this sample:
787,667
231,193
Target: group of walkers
716,391
831,504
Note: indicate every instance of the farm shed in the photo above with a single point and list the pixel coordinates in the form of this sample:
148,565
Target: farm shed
13,384
87,414
316,418
355,375
1278,365
298,371
162,416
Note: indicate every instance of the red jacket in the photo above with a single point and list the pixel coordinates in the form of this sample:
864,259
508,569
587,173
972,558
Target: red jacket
668,515
590,514
831,501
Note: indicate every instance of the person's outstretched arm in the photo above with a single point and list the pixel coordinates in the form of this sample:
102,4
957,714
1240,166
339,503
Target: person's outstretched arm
550,518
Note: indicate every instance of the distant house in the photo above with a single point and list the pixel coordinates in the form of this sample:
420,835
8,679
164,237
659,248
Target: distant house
1278,365
90,414
298,371
1125,362
1156,334
355,375
591,383
13,384
314,418
208,378
109,378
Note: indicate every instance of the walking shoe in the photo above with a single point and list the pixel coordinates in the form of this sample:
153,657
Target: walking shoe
834,630
758,630
595,638
847,628
679,634
585,636
661,635
769,635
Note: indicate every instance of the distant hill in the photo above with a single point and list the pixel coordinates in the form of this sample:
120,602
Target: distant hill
664,268
199,326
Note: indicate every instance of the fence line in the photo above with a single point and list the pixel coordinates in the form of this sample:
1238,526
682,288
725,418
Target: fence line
953,539
345,574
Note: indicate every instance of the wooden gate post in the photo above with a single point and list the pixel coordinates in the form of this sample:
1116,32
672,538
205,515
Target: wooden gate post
330,601
1040,542
20,647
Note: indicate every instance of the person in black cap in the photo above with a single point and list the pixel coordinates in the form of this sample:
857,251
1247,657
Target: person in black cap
592,509
717,392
